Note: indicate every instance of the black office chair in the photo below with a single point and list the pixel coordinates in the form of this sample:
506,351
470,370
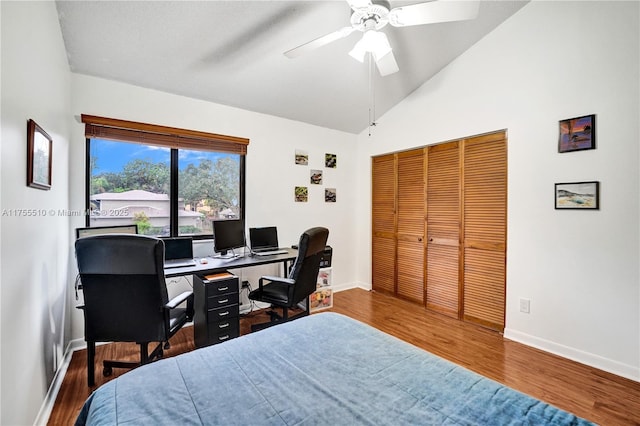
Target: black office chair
125,296
288,292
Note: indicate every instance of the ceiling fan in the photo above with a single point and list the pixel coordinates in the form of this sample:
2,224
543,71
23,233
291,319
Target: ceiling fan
370,16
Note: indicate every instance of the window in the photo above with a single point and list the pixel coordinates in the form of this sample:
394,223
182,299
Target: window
167,181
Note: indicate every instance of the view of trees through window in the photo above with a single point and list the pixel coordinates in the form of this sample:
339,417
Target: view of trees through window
131,183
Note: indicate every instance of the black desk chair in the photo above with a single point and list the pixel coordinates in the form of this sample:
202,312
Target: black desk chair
288,292
125,296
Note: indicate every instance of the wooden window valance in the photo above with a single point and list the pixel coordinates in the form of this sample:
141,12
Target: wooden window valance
168,137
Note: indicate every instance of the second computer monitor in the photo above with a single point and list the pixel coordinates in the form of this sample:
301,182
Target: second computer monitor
265,238
102,230
228,235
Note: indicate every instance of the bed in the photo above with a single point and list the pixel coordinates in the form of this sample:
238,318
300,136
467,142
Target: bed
322,369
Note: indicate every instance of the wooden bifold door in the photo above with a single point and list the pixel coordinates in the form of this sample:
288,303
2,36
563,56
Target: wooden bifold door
439,227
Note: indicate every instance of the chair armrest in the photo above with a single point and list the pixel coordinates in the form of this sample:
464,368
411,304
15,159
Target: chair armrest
179,299
282,280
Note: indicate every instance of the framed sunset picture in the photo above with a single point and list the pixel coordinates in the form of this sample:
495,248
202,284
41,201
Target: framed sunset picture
577,134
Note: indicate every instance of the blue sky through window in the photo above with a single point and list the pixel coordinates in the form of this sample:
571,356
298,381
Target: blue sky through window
111,156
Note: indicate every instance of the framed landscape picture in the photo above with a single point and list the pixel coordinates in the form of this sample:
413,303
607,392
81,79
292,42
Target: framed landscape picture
39,147
577,196
577,134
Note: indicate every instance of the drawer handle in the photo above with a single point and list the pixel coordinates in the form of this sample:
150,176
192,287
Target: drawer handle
223,314
223,289
220,302
225,337
225,325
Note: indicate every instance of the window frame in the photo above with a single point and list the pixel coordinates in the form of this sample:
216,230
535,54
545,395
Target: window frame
169,137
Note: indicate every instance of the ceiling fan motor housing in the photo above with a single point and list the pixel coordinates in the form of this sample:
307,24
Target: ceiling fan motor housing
371,17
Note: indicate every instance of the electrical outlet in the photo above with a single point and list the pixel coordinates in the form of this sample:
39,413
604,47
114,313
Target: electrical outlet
525,305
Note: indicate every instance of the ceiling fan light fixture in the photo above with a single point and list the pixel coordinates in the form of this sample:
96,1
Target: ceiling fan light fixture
371,16
373,42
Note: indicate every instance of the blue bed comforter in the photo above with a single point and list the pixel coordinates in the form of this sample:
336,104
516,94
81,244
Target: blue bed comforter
324,369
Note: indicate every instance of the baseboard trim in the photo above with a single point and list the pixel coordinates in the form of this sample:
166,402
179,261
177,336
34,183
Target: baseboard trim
348,286
596,361
50,398
56,383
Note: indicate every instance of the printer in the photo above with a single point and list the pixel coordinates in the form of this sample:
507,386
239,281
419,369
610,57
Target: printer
325,259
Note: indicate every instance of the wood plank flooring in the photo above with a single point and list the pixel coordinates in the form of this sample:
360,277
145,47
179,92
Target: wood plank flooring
589,393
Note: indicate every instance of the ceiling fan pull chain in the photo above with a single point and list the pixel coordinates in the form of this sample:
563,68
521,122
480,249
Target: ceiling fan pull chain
372,95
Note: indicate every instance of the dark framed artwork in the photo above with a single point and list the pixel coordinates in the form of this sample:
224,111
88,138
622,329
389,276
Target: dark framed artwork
39,156
577,134
577,196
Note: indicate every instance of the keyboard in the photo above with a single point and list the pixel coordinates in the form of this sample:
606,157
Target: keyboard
179,263
270,253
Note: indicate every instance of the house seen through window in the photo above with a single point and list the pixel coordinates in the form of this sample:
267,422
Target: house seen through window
132,183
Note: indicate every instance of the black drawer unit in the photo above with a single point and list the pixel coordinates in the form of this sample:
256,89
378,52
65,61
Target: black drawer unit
217,310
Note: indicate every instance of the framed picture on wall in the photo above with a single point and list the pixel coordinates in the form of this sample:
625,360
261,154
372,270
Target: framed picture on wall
330,195
301,194
302,157
331,161
577,134
39,156
315,177
577,196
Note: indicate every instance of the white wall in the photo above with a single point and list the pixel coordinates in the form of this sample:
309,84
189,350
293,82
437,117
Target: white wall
550,61
271,172
35,84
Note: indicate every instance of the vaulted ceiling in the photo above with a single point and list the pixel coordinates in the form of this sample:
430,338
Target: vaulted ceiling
231,53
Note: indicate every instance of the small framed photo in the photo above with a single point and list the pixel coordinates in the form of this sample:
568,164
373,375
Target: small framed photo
577,134
301,194
330,195
315,177
39,156
302,157
577,196
330,161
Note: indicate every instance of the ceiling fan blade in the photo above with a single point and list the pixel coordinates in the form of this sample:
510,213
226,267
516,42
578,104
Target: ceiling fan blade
387,64
433,12
319,42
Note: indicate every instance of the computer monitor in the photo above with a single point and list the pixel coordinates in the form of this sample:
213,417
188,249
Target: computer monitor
265,238
178,248
102,230
228,235
178,252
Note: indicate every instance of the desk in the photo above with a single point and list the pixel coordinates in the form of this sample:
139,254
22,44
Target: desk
216,264
216,301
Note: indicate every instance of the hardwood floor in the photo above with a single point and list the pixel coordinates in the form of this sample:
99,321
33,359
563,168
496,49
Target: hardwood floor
589,393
